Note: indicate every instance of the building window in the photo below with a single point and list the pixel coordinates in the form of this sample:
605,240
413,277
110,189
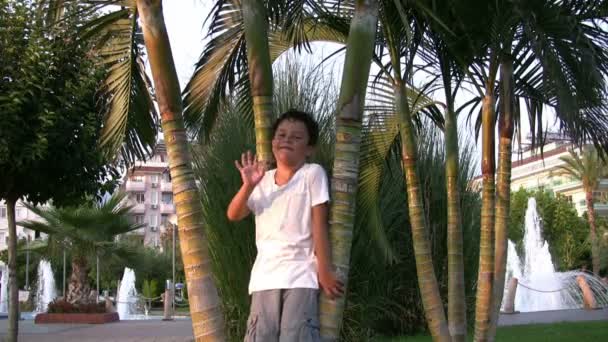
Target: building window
167,198
164,220
137,178
154,198
166,176
3,238
153,220
140,197
139,219
3,212
20,213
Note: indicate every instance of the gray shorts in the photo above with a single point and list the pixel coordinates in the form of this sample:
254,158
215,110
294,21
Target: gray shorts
284,315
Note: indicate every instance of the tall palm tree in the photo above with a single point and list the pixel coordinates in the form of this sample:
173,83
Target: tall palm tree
400,77
345,171
260,75
588,169
207,317
82,230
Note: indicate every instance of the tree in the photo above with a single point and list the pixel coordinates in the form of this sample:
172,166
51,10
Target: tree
405,113
207,318
345,171
87,231
587,168
260,75
49,108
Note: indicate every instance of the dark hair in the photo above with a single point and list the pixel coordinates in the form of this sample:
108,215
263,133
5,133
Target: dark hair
295,115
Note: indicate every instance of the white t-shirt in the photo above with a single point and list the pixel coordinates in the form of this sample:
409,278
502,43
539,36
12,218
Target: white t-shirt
283,232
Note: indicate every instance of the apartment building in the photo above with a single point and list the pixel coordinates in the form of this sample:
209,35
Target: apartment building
530,170
148,184
21,214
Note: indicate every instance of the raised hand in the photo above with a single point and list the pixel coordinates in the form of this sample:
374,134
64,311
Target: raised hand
251,170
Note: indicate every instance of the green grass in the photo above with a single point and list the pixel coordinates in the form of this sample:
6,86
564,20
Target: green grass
556,332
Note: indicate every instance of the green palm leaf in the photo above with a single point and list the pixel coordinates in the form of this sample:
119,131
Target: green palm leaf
130,118
222,67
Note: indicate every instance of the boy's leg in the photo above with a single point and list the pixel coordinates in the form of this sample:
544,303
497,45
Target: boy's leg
300,316
264,317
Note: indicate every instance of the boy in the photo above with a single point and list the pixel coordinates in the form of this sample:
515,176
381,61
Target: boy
290,208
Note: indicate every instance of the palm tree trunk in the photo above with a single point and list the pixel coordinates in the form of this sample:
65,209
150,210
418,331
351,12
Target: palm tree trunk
359,49
457,306
503,187
78,289
595,248
205,309
260,75
427,281
13,287
485,280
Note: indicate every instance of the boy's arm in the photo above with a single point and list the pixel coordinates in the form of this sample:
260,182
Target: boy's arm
327,279
238,209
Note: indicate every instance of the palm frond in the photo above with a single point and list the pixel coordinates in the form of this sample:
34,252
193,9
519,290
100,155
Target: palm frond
222,68
131,121
85,227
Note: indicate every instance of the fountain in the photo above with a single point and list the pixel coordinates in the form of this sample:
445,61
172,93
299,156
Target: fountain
46,291
540,287
126,299
4,289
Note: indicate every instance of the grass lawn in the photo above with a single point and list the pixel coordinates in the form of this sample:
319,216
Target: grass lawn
556,332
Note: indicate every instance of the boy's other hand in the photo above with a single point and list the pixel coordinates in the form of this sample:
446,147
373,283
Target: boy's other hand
251,170
332,287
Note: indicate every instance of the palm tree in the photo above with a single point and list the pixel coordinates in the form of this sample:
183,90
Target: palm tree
207,317
345,171
588,169
428,285
260,75
82,230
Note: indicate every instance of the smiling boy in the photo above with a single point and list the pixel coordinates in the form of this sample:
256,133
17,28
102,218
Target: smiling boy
290,204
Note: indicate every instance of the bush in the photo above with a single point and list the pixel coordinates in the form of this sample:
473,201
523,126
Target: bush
62,306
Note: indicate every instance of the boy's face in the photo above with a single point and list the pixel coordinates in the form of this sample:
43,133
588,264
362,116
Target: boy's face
290,143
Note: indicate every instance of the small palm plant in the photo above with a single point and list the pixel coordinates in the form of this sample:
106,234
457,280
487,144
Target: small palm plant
85,232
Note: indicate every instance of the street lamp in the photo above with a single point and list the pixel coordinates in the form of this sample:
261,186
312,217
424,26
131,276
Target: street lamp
173,221
27,262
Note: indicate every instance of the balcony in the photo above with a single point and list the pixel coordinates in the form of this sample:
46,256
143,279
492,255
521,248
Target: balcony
139,208
135,186
166,187
167,208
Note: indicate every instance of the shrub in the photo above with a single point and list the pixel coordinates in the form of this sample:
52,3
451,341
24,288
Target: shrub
62,306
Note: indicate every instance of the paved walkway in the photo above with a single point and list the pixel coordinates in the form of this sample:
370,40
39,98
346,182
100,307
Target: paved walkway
181,330
122,331
540,317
